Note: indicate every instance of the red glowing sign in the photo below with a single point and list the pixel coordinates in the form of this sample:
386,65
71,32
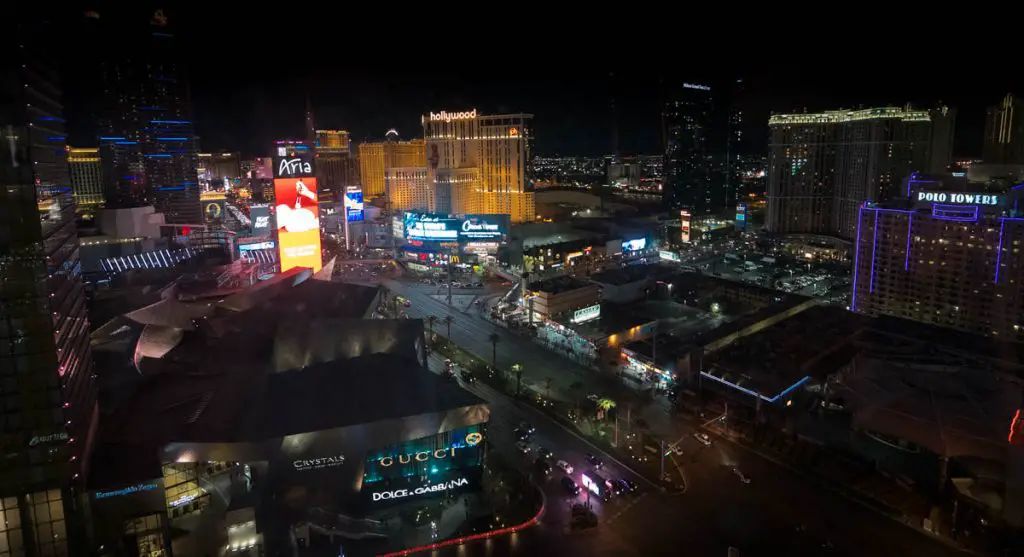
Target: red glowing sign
1016,435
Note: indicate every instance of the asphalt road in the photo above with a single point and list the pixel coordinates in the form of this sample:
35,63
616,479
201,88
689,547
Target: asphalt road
777,512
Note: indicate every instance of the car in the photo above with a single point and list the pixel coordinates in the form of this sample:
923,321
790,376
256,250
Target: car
523,447
743,478
630,485
467,377
520,434
593,397
676,449
543,466
570,485
564,466
544,453
594,461
702,438
525,426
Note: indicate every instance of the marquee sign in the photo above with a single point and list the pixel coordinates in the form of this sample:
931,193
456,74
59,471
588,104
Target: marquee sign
137,488
586,314
472,439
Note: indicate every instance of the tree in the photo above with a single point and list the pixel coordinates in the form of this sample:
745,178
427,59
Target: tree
518,370
495,339
575,389
431,321
448,320
605,405
547,386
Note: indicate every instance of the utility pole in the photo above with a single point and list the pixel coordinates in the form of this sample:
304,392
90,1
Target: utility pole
662,453
451,259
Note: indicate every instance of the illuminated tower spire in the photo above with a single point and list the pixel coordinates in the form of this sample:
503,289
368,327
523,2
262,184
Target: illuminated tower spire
310,130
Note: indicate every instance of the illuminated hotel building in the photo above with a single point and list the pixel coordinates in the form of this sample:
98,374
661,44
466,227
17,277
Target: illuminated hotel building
86,178
478,164
411,189
1004,132
823,166
376,158
947,258
337,168
214,167
47,422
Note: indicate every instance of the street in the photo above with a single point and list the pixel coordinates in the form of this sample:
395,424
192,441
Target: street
778,511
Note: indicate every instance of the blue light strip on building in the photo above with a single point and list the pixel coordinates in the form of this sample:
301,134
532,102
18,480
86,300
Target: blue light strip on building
172,139
50,119
874,248
955,213
158,156
110,138
179,188
56,137
745,390
910,230
188,183
126,143
856,258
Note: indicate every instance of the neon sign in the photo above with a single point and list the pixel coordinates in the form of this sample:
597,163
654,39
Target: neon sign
590,484
137,488
449,116
958,198
695,86
586,314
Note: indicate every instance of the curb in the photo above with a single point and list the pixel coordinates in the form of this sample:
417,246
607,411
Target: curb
475,537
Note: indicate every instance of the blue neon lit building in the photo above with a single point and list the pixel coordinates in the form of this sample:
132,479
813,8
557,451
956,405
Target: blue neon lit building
147,138
944,257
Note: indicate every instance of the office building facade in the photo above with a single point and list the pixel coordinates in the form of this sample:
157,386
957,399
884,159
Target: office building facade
821,167
147,138
86,179
375,158
49,412
480,164
943,257
687,117
1004,132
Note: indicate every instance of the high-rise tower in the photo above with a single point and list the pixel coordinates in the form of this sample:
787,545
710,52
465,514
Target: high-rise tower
686,121
147,139
1004,132
47,387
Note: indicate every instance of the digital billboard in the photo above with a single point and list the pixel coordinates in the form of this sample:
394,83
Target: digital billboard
293,160
419,226
298,223
493,228
684,225
634,245
353,204
259,220
741,217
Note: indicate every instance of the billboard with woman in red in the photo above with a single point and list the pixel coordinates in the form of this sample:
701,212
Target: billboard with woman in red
298,223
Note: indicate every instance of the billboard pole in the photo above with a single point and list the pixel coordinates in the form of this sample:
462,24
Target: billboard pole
344,217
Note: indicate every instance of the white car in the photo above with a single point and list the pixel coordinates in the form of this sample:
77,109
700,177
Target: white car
523,447
703,438
743,478
564,466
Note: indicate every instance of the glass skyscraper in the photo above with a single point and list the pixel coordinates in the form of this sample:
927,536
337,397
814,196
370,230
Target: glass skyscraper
147,139
686,122
47,391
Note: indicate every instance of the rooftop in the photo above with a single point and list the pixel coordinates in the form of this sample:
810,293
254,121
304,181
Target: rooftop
633,273
558,285
843,116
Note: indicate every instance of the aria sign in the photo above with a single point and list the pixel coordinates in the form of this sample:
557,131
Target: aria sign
958,198
472,440
402,493
318,463
294,167
449,116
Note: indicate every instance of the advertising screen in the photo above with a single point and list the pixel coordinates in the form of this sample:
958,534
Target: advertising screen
634,245
354,205
298,223
419,226
741,217
293,160
493,228
260,220
684,225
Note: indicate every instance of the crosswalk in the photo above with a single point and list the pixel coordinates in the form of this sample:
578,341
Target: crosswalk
624,509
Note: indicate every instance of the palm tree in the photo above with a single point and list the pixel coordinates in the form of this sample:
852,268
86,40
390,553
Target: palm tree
605,404
495,339
448,320
431,321
518,370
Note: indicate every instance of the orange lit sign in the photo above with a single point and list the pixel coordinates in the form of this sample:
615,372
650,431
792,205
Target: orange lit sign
513,132
298,223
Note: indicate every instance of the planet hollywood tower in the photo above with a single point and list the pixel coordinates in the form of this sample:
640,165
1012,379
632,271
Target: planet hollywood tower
46,382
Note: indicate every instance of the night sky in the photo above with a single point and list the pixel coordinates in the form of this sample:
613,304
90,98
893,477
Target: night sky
251,73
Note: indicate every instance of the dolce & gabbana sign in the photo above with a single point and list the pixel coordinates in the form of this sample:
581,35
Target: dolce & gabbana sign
318,463
958,198
402,493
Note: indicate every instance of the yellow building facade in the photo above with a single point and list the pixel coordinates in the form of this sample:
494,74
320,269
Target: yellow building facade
377,157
